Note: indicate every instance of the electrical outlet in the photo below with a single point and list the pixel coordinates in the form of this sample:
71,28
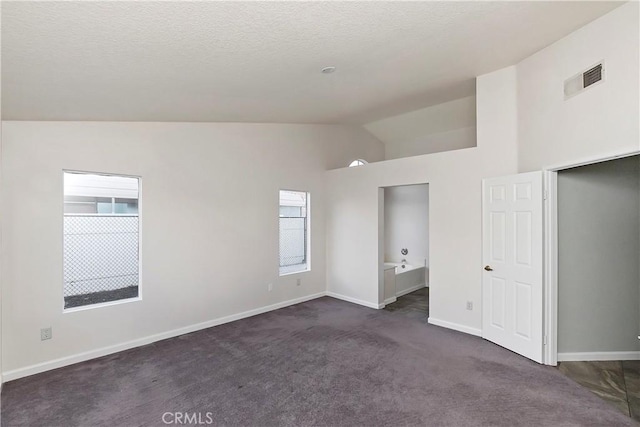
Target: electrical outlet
298,282
270,287
469,305
45,333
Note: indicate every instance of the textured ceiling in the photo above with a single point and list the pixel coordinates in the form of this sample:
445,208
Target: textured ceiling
261,61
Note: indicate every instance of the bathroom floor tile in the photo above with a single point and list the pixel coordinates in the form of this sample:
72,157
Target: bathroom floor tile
414,305
631,369
605,379
614,381
634,407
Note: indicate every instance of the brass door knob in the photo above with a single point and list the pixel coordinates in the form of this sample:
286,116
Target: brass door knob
488,268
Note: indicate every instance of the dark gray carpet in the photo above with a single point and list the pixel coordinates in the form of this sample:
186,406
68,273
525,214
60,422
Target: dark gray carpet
325,362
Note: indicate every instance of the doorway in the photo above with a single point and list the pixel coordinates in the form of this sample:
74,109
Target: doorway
501,196
404,249
592,255
598,213
598,258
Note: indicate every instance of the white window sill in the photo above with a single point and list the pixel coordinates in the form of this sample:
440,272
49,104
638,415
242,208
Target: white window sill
100,305
295,272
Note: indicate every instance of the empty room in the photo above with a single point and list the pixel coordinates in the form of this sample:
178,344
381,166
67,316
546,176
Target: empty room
319,213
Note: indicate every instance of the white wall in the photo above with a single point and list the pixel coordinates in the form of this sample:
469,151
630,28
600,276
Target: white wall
447,126
455,139
523,124
598,252
406,223
191,173
600,121
199,182
454,179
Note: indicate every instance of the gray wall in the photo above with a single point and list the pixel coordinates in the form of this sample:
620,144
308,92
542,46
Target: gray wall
599,250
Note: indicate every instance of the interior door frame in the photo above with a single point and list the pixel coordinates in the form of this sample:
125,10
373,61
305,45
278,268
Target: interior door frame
550,245
381,232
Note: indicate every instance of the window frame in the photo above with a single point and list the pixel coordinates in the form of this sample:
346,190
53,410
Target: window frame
139,215
307,233
358,162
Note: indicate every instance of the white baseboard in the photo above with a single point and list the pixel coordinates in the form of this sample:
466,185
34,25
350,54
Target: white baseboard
411,289
104,351
599,355
390,300
355,300
455,326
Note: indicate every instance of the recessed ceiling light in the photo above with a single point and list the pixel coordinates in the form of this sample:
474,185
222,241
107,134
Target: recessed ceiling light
328,70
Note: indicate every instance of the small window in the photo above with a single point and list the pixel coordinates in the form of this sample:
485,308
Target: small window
101,239
358,162
294,232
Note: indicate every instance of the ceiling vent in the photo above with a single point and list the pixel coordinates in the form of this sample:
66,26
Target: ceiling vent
584,80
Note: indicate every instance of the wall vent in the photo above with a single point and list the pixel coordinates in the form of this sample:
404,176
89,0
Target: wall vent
583,80
592,76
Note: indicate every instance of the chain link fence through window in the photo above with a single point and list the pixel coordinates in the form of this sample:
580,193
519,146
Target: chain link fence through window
101,259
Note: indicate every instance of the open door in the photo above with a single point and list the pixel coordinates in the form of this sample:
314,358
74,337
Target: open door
512,210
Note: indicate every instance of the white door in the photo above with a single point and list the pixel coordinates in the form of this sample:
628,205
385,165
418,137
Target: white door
512,209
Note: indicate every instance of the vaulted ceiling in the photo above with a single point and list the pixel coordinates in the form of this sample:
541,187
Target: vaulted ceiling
261,61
